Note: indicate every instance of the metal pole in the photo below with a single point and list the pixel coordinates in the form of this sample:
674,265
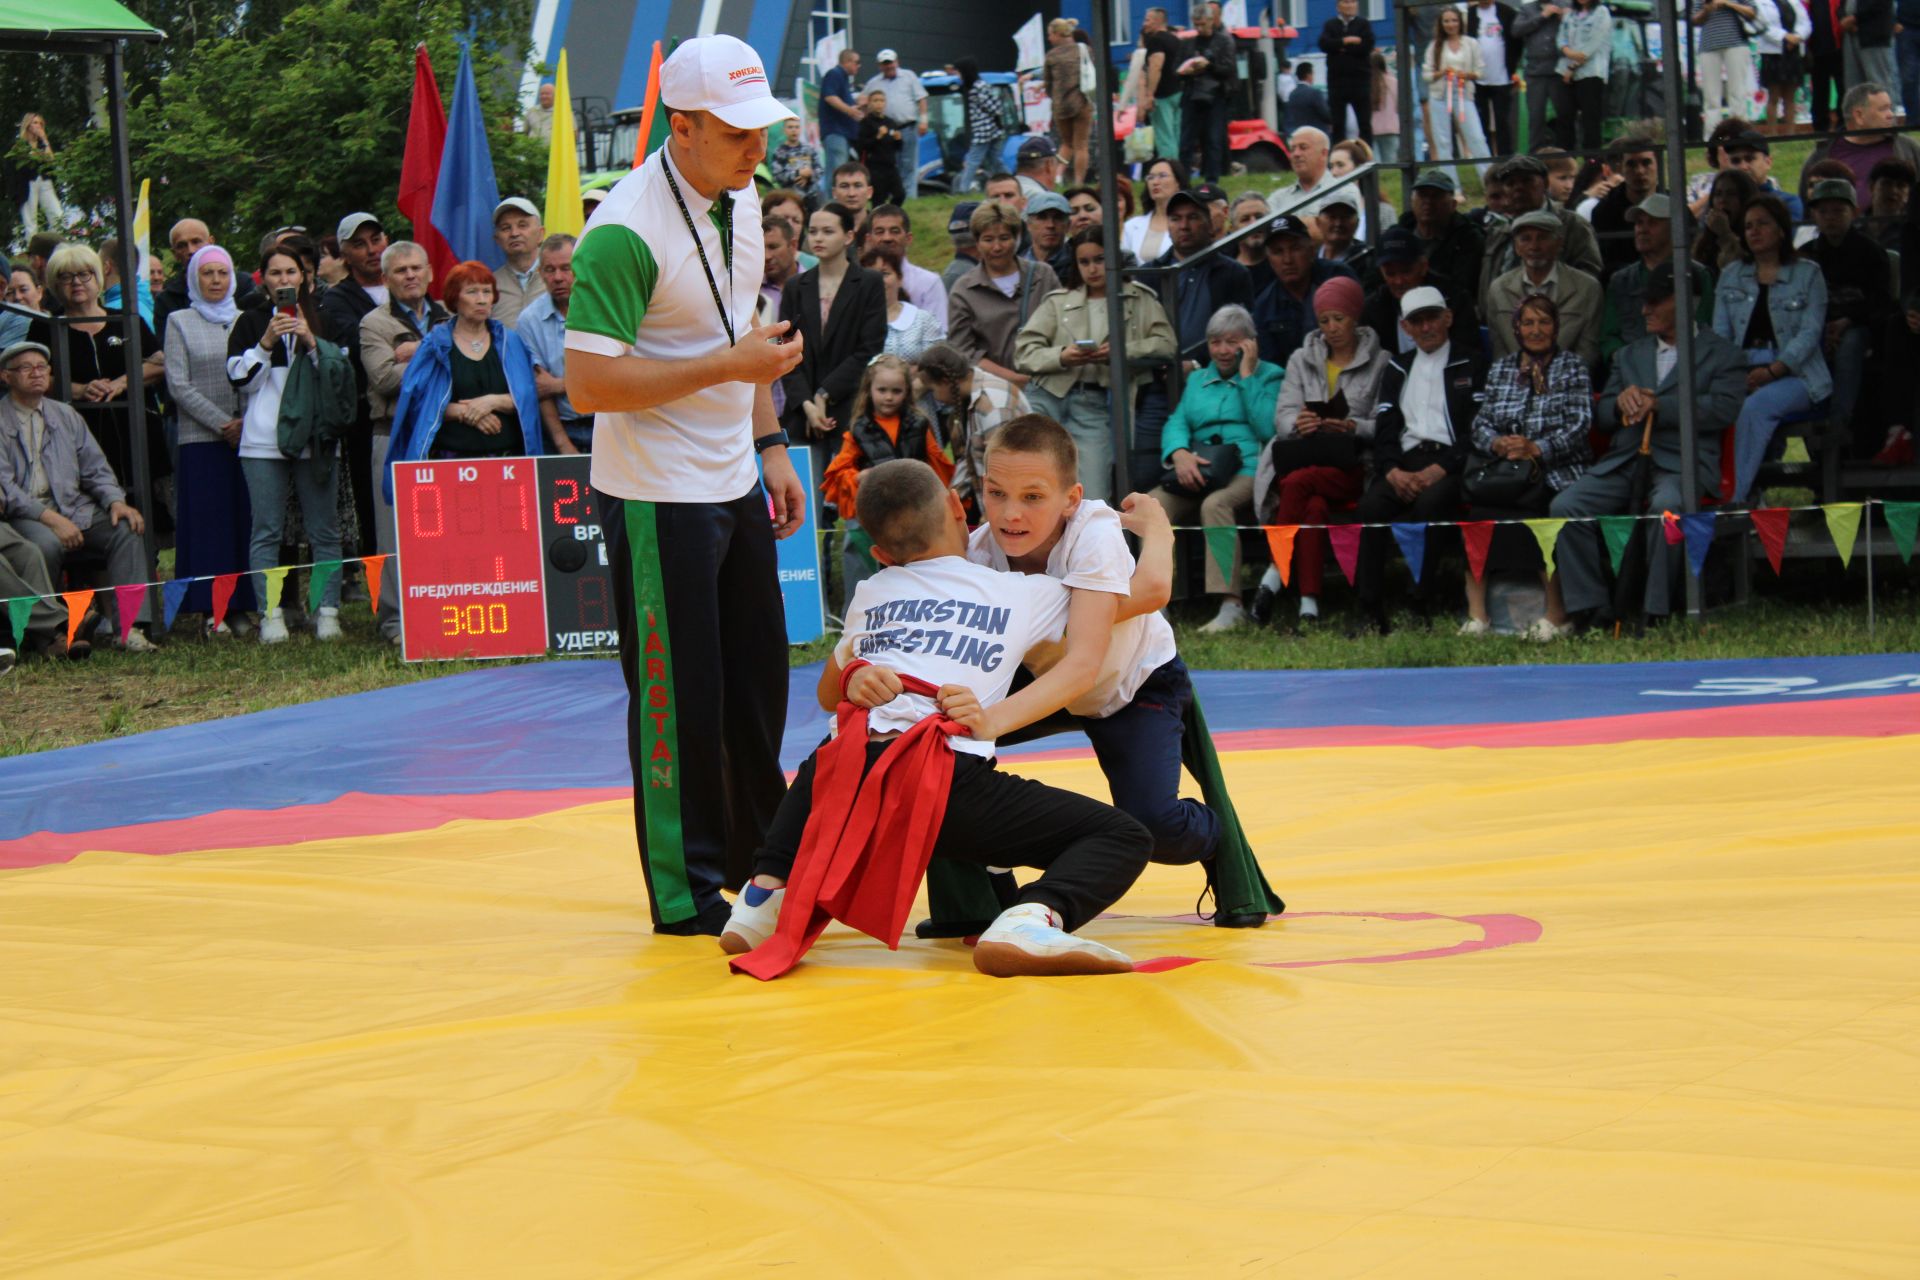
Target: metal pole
1403,64
1119,408
1866,513
129,269
1683,301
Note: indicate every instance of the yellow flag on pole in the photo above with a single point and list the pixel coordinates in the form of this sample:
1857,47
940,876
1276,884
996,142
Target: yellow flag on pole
563,216
143,227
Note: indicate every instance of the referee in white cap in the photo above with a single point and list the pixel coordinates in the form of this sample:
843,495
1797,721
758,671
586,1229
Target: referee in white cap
661,348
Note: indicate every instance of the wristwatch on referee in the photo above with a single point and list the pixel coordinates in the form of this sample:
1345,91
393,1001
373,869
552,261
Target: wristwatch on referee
777,440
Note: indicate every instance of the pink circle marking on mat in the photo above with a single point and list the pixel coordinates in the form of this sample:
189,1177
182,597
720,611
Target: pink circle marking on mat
1499,930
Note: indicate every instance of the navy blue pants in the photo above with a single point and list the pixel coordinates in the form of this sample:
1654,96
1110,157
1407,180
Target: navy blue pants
1138,748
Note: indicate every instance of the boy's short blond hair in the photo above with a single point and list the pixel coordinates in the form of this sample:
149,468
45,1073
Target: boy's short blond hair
1036,433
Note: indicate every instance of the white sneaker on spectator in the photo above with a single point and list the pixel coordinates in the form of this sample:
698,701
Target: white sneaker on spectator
1474,627
1545,632
137,642
1231,615
218,630
1027,941
7,658
751,924
273,627
326,626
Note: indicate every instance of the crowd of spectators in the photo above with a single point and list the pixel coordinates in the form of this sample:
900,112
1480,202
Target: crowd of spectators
1342,362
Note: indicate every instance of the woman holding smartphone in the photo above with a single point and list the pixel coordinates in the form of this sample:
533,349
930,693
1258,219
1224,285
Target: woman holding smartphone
1063,348
260,349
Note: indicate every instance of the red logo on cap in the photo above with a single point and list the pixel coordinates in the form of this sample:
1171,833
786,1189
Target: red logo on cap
746,75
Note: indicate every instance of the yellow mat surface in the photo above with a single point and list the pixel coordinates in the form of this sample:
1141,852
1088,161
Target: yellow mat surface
460,1053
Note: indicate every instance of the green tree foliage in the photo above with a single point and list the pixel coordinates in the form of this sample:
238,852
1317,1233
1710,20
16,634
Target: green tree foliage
286,111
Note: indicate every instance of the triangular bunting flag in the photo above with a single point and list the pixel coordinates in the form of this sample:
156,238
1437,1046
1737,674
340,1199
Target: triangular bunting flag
1670,525
1346,548
276,583
19,609
1843,523
1771,524
77,603
1280,543
1220,545
1698,531
1547,534
1904,519
172,594
1413,547
1618,532
318,577
126,602
375,564
1478,536
223,589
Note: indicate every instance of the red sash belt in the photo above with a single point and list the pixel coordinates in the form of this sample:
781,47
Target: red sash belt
868,839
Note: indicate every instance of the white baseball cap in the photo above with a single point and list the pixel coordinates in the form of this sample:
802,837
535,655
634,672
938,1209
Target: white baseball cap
886,55
1425,298
352,223
515,204
721,74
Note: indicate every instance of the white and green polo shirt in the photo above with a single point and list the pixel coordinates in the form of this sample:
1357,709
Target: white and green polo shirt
638,290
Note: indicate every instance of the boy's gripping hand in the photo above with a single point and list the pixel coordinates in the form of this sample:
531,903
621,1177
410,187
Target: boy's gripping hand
873,686
1141,516
963,708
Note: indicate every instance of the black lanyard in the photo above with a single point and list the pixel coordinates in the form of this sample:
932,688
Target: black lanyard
726,247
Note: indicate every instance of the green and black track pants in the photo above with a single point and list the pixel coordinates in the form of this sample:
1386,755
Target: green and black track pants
703,647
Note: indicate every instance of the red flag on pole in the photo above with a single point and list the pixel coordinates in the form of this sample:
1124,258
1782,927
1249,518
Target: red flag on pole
420,167
650,112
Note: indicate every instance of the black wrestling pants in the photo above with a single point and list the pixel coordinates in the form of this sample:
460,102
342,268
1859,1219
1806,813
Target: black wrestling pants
1090,853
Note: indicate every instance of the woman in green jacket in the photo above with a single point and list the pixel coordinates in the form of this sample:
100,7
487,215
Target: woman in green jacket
1063,348
1229,402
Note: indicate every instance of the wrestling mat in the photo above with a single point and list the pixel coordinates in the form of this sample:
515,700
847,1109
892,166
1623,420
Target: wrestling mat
1588,971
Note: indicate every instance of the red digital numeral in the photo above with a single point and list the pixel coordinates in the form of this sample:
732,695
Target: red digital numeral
592,594
420,495
572,489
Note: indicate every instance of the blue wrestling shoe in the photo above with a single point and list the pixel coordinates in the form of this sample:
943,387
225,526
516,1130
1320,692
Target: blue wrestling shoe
755,912
1027,941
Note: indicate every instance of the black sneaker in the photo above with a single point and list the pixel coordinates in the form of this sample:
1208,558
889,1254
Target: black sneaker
1260,612
1224,919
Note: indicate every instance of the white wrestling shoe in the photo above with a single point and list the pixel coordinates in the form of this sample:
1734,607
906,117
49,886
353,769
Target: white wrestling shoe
1027,940
748,927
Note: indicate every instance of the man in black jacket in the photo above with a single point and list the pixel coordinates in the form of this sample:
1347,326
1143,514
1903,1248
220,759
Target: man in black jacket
1207,104
1347,40
1422,434
1453,243
1636,159
1402,265
362,241
1860,303
1491,24
1191,294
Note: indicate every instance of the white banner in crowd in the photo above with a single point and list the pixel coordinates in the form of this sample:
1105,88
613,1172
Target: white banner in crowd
1234,14
1030,45
826,52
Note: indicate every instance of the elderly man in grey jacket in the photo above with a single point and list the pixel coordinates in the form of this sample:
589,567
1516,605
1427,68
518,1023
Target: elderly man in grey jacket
57,489
1646,380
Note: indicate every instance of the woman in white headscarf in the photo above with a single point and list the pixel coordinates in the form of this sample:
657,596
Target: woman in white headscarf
213,514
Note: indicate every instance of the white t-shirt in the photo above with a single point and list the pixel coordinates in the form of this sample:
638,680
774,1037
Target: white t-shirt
1493,49
1092,555
1423,404
949,621
639,289
379,293
1006,284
